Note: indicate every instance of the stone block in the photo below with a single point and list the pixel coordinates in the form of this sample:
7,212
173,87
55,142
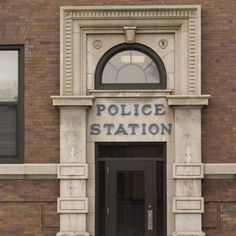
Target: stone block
188,205
72,171
72,205
188,171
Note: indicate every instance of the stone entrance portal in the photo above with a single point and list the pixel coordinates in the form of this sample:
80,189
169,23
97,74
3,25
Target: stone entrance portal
104,52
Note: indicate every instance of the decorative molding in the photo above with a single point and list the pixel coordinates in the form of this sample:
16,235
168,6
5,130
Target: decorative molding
97,44
38,169
131,12
72,171
220,168
130,93
163,43
27,169
101,15
192,56
72,205
188,100
77,23
188,205
188,171
130,33
67,59
83,101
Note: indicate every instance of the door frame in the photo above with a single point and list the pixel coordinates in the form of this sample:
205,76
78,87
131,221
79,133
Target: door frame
111,184
127,159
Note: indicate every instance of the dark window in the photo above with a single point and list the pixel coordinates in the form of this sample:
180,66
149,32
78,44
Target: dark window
11,104
130,66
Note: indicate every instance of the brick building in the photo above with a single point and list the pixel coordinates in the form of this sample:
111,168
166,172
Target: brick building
105,126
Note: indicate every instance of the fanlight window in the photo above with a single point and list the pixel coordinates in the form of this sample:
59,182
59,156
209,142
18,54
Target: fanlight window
130,66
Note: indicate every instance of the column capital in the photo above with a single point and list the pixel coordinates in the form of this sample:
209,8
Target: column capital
187,101
75,101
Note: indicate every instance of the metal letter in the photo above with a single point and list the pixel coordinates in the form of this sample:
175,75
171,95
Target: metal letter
100,107
145,108
159,109
95,129
123,111
113,109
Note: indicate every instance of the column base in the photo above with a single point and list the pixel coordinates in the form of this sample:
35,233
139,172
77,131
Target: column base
188,233
72,234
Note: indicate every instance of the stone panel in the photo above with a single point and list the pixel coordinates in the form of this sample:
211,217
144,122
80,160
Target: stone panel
188,135
72,205
188,205
123,119
73,135
188,171
73,171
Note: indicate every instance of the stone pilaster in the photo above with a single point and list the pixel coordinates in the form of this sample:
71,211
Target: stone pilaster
188,204
72,204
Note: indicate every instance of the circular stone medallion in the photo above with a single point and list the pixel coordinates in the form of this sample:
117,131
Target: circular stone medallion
97,44
163,43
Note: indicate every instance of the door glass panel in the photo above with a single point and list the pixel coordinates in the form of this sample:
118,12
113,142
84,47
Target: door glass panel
8,75
130,203
7,131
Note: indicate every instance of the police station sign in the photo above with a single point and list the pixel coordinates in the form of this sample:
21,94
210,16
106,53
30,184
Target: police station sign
117,118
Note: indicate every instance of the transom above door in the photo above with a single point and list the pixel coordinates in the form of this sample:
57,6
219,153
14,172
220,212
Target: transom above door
130,185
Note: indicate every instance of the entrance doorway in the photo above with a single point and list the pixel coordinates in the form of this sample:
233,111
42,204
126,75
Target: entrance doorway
130,189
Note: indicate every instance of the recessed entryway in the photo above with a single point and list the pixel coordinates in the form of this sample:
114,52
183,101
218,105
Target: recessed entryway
130,189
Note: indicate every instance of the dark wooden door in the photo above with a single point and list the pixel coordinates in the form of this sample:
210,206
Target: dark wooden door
130,191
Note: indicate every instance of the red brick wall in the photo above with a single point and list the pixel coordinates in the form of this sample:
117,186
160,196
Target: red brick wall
27,207
219,218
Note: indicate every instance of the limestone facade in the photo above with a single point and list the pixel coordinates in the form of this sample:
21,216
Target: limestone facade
86,34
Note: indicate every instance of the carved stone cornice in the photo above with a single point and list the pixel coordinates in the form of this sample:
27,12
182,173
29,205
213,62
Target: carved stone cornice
130,12
81,101
99,16
187,101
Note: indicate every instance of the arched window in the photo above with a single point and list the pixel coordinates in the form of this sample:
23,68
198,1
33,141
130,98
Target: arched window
130,66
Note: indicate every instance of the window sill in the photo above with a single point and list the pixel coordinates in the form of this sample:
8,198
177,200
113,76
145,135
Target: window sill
130,93
28,171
